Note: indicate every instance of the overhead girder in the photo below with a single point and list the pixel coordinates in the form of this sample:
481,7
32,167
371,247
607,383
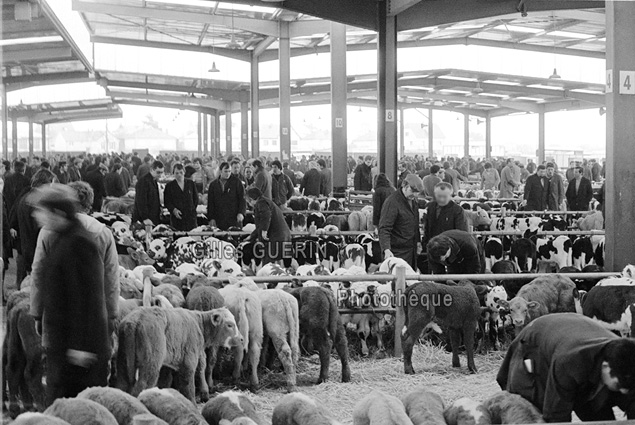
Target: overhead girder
166,105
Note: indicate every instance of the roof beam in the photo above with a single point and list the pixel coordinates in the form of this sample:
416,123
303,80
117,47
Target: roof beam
88,116
245,24
36,55
307,28
263,45
554,27
24,81
238,54
358,13
166,105
180,100
223,94
395,7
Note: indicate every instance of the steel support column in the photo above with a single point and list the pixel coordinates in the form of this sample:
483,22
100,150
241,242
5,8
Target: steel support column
199,148
541,137
228,129
205,134
255,107
466,135
284,58
244,129
339,124
14,137
30,139
620,135
402,133
430,134
217,132
387,92
43,140
5,123
212,135
488,137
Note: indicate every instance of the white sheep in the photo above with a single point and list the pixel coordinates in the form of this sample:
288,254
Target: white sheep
171,406
232,407
507,408
31,418
465,411
123,406
379,408
424,407
77,411
299,409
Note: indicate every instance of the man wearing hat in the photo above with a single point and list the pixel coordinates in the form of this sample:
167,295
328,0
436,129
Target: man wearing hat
97,180
73,319
399,222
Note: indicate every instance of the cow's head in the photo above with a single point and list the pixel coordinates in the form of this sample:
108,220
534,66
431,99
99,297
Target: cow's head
219,324
140,257
521,310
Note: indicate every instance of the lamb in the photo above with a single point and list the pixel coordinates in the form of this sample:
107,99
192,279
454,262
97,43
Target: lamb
378,408
31,418
299,409
171,406
152,337
465,411
231,406
123,406
77,411
507,408
456,307
424,407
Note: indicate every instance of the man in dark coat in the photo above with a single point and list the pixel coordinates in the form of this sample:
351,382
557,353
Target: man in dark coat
181,198
96,179
311,184
383,190
536,196
399,222
281,186
326,185
455,252
226,200
579,192
74,325
74,173
363,179
271,230
566,362
114,182
289,173
443,213
147,204
15,184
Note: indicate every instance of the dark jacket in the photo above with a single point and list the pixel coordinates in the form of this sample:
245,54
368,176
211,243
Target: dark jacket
467,255
74,313
268,218
97,181
579,201
311,183
402,177
262,180
363,179
382,191
184,200
143,170
74,175
14,185
327,181
536,193
281,189
223,205
399,227
114,184
147,204
22,220
556,193
440,219
565,353
290,174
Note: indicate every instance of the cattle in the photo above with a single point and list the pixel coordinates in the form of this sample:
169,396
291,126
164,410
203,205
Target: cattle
424,407
371,245
312,270
507,408
247,253
306,250
523,253
231,406
582,252
379,408
494,252
77,411
171,406
357,221
338,220
391,264
508,267
492,298
465,411
280,316
315,218
23,368
550,266
586,284
558,249
478,219
123,406
247,309
221,268
543,295
299,409
455,307
591,221
151,337
598,254
609,303
299,203
353,255
320,328
135,257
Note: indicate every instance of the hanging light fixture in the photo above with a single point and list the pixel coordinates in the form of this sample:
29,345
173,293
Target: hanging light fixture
360,109
213,68
555,75
233,44
478,88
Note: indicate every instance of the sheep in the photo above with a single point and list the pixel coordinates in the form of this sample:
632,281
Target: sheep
424,407
171,406
465,411
77,411
456,307
299,409
379,408
171,293
123,406
31,418
231,406
507,408
203,298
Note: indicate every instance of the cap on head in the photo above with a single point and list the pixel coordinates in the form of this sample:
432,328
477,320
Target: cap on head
415,182
57,197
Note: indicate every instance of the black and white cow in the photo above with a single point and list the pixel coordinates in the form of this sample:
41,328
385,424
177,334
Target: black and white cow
523,253
558,249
